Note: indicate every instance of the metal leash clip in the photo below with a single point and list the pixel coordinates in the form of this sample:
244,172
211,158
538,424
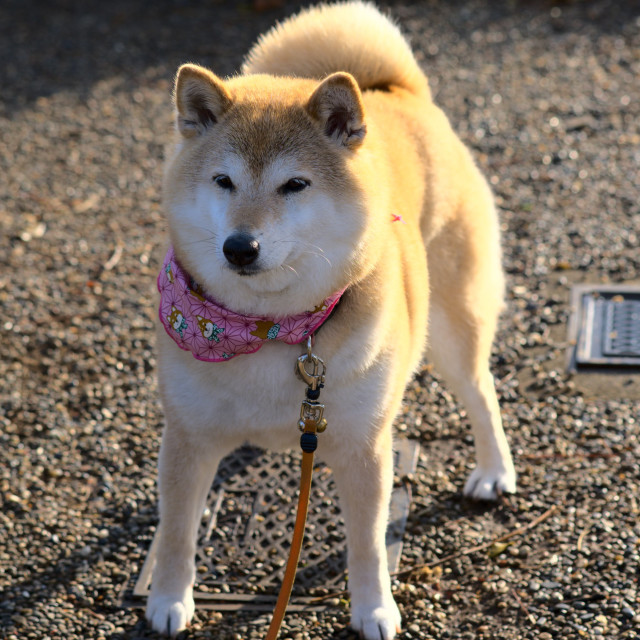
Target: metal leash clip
314,379
311,370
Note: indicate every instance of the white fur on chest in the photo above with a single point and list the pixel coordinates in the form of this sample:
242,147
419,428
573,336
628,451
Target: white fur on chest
256,398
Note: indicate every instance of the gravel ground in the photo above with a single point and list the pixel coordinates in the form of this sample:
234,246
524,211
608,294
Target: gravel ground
547,96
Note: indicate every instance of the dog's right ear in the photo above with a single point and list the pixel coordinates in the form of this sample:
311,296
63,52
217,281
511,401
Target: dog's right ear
201,99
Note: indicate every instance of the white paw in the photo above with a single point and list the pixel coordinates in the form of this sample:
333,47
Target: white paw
170,614
376,623
489,484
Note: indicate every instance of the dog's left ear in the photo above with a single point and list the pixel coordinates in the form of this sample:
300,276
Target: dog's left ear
337,105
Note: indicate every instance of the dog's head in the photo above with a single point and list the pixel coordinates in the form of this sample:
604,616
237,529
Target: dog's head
262,192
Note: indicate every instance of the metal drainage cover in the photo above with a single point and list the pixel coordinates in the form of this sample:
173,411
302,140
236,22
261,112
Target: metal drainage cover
605,326
245,533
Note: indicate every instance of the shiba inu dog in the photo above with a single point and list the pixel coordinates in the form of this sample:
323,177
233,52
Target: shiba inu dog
323,171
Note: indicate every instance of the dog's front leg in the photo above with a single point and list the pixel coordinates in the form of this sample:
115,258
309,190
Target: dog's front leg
186,470
364,476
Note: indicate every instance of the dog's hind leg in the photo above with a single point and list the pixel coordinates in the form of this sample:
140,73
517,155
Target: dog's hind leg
186,471
459,348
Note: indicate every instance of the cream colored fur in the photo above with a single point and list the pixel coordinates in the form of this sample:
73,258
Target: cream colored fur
322,100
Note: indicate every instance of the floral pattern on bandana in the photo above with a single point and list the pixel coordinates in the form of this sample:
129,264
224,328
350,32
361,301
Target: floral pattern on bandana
214,334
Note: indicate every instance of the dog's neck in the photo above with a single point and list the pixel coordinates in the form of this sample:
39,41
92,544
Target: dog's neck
199,324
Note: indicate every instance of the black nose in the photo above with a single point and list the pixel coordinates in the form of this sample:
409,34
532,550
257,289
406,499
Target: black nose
241,249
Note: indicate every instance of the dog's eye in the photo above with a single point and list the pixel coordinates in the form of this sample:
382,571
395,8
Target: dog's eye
224,182
293,186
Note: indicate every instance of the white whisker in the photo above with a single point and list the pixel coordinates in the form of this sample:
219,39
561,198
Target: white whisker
312,249
302,242
288,266
319,255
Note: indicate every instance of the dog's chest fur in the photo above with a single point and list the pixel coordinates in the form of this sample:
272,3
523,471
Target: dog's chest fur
256,397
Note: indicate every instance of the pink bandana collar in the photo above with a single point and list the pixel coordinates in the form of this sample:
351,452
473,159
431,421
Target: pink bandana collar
212,333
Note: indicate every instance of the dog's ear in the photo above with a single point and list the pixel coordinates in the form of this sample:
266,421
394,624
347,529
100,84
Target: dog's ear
201,99
337,105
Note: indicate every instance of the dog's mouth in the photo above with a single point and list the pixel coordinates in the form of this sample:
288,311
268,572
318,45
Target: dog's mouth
246,270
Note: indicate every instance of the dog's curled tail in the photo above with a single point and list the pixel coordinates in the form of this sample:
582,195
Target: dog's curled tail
347,36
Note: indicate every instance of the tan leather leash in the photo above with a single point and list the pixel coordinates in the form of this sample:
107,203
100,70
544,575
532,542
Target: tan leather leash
311,369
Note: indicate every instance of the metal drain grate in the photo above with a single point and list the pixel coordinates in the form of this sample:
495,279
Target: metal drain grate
622,328
245,533
605,327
